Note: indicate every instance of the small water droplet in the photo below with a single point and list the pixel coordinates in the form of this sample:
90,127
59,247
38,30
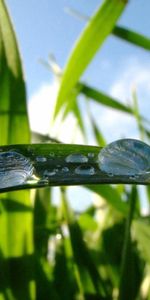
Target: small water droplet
41,159
49,173
65,169
125,157
52,154
91,155
15,169
85,170
110,174
76,158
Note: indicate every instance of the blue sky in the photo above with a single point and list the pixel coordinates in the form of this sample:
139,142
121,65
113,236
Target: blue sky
43,27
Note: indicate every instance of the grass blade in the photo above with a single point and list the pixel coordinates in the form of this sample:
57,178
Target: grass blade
132,37
104,99
95,33
16,219
59,164
126,34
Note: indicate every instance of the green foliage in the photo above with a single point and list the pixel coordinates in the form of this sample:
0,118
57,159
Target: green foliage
48,251
16,245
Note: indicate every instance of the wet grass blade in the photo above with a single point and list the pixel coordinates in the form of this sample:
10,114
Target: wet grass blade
41,165
92,38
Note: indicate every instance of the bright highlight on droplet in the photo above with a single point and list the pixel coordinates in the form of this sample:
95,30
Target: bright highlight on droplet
76,158
126,157
15,169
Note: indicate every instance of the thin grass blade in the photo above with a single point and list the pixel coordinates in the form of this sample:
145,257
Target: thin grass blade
92,38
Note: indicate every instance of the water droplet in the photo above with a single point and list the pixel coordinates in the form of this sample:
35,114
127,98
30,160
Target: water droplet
91,155
76,158
49,173
15,169
85,170
65,169
52,154
125,157
41,159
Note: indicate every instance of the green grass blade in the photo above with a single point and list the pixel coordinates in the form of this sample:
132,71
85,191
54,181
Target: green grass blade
123,33
16,219
13,110
60,164
112,197
132,37
127,264
82,258
93,36
104,99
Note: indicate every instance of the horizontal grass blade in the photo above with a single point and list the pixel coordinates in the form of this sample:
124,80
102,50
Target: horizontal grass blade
42,165
92,38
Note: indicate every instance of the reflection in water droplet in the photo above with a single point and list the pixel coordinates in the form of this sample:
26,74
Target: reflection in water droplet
41,159
15,169
76,158
65,169
52,154
85,170
91,155
125,157
49,173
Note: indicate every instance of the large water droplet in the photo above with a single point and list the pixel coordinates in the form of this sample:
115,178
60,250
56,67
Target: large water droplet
76,158
15,169
125,157
85,170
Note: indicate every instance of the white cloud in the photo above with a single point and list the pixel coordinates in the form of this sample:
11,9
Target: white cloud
115,124
41,108
133,74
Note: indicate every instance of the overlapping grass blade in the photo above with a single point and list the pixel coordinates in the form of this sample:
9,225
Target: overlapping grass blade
104,99
16,218
111,196
95,33
126,34
132,37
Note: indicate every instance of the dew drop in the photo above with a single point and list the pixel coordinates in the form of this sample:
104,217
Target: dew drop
125,157
76,158
52,154
15,169
91,155
65,169
49,173
85,170
41,159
